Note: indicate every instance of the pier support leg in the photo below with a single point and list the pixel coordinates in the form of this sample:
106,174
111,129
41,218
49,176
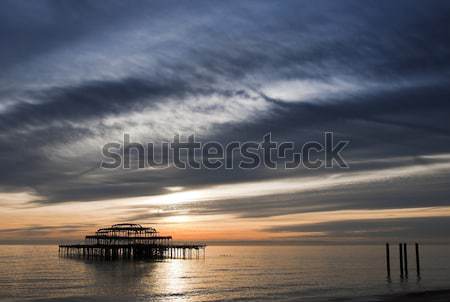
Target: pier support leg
388,261
405,255
417,260
400,250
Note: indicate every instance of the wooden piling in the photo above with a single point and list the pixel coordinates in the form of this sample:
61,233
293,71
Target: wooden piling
388,261
400,250
417,260
405,256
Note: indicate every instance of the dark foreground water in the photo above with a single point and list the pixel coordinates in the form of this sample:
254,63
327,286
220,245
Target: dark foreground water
231,273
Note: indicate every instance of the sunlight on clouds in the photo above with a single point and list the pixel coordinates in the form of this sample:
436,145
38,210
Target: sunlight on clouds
174,188
280,186
293,185
160,122
191,115
309,90
178,219
17,199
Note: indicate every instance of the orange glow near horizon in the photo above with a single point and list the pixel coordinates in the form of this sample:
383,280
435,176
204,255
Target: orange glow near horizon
187,227
175,212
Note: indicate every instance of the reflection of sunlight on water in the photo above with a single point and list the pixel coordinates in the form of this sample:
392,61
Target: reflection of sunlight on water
172,281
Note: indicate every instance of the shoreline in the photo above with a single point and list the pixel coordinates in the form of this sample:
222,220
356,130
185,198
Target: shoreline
442,295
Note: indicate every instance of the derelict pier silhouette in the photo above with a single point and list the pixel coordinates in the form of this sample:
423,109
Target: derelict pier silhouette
131,241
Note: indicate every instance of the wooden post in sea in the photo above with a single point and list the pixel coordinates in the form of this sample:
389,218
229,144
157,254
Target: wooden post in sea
405,255
400,250
417,260
388,261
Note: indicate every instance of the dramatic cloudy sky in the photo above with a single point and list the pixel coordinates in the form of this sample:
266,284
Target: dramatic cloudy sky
78,74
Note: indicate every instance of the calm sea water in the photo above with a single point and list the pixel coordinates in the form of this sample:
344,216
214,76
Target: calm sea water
230,273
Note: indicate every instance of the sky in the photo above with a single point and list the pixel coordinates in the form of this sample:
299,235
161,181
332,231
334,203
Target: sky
77,75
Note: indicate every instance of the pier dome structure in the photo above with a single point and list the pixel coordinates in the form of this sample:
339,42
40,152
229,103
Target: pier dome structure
127,233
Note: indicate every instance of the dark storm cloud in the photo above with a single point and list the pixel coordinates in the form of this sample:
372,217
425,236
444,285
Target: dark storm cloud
94,100
39,229
401,228
41,234
397,52
31,30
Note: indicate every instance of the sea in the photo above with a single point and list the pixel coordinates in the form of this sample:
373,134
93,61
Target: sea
226,273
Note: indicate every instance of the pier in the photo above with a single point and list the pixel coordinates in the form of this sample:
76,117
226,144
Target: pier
131,241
